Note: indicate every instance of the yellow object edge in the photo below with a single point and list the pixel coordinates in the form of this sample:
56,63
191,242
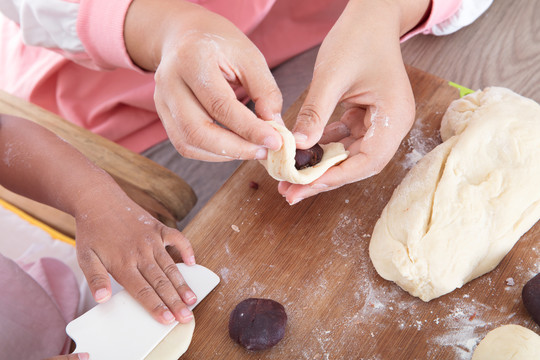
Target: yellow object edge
462,89
55,234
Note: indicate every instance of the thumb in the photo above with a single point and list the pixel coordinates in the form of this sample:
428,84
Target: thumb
314,114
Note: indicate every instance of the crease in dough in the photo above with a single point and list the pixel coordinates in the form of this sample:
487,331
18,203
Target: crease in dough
479,188
280,164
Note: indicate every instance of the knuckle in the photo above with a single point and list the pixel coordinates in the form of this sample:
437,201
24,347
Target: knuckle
187,137
220,107
272,92
192,134
181,147
171,270
157,76
309,113
84,256
96,280
378,165
252,133
158,308
181,288
176,304
161,283
144,292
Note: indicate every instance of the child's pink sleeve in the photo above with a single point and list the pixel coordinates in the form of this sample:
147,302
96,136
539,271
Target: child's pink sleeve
100,26
89,32
448,16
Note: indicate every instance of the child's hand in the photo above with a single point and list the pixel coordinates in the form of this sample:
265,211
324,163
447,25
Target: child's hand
116,236
197,56
359,66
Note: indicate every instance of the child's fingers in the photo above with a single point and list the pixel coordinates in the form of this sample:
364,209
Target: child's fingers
143,284
180,243
96,275
160,279
173,274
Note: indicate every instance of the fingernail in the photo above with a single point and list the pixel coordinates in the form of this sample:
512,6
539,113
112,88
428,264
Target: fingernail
191,297
186,313
101,295
299,137
261,154
277,118
168,316
319,186
83,356
190,260
272,143
339,128
296,201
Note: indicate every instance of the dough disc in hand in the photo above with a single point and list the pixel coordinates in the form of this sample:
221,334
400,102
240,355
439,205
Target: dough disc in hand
461,208
280,164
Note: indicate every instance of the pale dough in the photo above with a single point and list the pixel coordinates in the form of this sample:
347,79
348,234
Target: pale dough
175,344
462,207
280,164
509,342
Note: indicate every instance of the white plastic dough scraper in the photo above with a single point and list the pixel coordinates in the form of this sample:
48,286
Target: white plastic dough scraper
122,329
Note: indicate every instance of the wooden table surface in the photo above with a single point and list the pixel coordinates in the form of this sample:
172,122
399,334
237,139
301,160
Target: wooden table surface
501,48
313,258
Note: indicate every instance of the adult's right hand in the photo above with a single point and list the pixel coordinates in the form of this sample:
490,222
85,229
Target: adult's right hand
197,57
80,356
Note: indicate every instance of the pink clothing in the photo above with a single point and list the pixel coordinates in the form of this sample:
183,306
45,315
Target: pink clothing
118,103
37,302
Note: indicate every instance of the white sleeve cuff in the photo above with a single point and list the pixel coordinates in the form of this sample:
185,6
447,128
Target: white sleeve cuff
469,11
46,23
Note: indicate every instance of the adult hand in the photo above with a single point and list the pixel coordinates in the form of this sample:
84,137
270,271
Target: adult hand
198,56
127,242
81,356
359,66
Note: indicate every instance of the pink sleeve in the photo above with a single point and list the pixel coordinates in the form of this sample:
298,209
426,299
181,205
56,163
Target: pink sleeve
440,11
100,26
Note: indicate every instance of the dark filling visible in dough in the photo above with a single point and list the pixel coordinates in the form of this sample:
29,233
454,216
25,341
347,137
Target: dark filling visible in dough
531,297
257,324
309,157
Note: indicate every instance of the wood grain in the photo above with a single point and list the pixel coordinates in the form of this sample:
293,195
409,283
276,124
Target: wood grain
155,188
501,48
313,258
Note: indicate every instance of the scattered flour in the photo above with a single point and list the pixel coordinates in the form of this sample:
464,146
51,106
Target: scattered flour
419,145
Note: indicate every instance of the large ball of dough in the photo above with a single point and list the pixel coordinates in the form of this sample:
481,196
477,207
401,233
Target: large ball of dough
462,207
257,324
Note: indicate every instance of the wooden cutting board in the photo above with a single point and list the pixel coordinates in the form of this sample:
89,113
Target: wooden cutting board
313,258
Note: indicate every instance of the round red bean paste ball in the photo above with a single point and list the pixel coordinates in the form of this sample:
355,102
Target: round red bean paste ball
257,324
